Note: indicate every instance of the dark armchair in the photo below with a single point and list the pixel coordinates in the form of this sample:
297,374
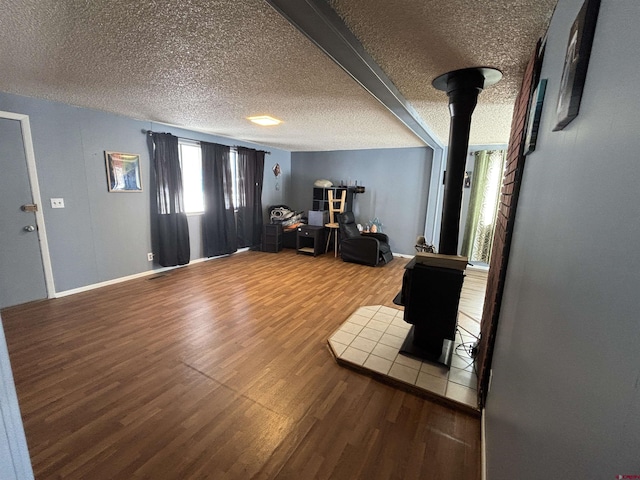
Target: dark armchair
368,248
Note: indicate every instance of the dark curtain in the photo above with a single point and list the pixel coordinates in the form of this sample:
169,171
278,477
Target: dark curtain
172,228
218,222
250,175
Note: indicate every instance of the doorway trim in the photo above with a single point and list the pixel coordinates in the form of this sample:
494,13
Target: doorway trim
32,172
436,193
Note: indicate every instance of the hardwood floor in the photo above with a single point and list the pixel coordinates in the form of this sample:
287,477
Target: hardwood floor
221,370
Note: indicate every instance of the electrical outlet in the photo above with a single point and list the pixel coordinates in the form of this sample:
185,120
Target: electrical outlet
150,257
57,203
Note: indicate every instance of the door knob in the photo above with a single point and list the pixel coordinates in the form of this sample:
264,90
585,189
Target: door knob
29,228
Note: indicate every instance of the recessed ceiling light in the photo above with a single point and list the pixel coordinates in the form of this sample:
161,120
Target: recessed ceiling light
265,120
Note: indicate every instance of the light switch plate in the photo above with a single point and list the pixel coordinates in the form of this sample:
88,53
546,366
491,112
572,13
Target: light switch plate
57,203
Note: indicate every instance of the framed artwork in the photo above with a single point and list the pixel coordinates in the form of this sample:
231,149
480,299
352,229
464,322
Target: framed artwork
576,61
535,112
123,172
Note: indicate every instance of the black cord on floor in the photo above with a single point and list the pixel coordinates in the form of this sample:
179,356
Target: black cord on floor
470,348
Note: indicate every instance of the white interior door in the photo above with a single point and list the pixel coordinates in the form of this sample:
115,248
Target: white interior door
23,273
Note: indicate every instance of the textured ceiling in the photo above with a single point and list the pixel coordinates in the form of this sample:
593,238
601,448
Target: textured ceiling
207,65
414,41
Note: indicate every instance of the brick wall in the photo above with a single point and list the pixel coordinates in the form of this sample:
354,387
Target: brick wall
504,227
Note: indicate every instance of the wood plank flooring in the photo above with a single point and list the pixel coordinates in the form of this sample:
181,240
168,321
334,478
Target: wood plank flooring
221,370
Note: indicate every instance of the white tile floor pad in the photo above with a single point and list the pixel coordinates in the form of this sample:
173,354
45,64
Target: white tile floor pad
371,339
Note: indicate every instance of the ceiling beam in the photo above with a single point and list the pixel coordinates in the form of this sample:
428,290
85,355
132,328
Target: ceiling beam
324,27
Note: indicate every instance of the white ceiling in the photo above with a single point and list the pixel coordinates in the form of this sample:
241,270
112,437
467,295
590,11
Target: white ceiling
207,65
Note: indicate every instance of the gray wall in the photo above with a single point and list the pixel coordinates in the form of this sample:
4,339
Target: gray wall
101,236
565,396
396,181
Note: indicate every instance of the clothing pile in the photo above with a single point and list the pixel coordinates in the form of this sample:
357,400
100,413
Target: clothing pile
286,217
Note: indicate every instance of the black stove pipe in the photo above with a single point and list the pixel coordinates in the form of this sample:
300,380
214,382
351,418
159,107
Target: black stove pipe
462,87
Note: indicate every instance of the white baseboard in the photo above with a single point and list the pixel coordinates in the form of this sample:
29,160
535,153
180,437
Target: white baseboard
93,286
155,271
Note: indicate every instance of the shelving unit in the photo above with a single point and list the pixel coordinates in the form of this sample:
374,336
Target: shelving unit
321,197
272,238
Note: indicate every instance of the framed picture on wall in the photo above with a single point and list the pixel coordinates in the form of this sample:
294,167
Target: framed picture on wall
123,172
576,61
535,112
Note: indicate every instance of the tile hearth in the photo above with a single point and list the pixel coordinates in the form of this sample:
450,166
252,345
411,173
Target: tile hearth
371,338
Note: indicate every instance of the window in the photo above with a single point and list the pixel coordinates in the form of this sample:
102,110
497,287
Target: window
191,165
235,187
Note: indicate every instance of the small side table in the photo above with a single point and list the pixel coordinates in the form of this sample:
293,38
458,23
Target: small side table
310,239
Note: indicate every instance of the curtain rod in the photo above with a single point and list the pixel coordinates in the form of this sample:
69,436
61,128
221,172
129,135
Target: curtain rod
150,132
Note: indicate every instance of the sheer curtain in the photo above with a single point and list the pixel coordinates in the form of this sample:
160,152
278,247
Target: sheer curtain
250,171
218,222
483,204
172,228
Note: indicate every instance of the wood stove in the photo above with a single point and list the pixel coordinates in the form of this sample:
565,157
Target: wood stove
431,286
